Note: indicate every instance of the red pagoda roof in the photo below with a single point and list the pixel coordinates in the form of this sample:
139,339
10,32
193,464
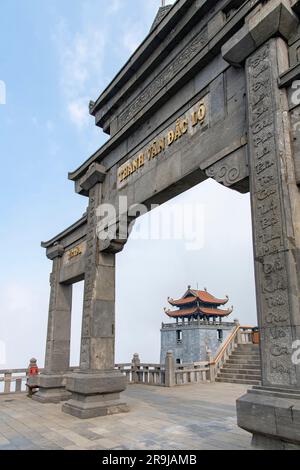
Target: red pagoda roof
202,296
199,311
198,302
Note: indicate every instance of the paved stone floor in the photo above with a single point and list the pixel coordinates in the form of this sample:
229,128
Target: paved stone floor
191,417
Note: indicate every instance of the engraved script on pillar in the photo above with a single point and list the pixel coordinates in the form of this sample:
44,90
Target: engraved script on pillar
90,274
268,226
186,55
54,280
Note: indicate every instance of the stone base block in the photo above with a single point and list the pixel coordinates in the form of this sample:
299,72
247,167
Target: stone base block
84,409
51,389
95,394
272,415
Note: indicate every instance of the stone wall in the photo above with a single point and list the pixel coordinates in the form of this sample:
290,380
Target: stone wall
196,340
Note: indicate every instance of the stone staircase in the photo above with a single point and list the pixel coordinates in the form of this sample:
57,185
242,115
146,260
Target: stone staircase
242,367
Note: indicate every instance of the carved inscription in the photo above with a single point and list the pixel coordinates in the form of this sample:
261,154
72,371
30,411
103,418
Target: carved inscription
269,246
194,120
54,280
185,56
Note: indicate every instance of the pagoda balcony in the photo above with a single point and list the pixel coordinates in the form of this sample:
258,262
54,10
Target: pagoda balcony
195,323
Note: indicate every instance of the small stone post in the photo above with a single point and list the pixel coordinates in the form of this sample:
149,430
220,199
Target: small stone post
211,366
169,370
239,336
32,377
135,367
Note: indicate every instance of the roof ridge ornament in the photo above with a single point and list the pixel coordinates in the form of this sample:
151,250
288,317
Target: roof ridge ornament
162,12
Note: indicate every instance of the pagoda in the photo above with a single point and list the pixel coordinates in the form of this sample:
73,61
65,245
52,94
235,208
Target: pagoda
198,304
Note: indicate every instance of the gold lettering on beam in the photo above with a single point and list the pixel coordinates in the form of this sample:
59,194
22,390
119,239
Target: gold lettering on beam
197,116
74,252
131,167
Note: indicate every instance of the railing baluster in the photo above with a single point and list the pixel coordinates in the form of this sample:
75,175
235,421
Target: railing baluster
7,382
18,388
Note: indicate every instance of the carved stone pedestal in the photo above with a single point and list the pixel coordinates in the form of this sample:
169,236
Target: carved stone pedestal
272,415
51,388
95,394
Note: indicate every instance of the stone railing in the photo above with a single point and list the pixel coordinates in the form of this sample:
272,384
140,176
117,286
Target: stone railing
168,374
165,375
149,374
191,373
12,380
196,324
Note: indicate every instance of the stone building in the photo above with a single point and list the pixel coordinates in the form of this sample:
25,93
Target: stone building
199,327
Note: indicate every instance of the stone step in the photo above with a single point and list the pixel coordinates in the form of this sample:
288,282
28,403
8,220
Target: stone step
248,347
243,361
239,376
238,381
241,371
241,366
248,356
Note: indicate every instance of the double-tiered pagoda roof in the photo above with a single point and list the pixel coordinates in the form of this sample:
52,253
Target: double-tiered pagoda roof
198,303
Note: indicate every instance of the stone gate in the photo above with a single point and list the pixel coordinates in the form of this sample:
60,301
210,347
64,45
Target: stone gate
210,93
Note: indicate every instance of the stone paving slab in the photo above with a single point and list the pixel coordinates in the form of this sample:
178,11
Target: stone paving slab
199,416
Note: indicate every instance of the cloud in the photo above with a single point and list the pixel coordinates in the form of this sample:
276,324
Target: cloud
81,58
85,52
115,6
78,113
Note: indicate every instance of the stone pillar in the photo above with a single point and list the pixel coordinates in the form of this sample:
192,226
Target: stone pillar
169,370
271,412
57,360
96,386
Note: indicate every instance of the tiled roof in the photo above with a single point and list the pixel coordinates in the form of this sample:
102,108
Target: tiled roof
186,301
199,311
208,298
192,296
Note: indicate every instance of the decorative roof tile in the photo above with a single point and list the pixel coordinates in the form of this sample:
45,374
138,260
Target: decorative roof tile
198,311
160,15
202,296
198,302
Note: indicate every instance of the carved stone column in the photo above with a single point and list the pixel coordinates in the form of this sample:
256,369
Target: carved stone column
96,386
271,412
57,360
267,411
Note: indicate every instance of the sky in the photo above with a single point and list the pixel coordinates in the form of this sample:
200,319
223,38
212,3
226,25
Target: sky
55,56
